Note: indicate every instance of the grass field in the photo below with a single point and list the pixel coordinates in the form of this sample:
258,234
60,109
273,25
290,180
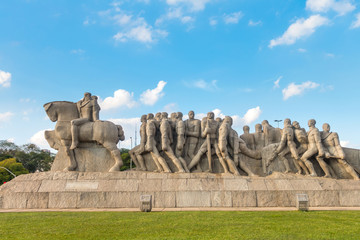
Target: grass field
181,225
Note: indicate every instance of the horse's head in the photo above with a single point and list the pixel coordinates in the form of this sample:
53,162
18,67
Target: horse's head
51,111
61,111
121,133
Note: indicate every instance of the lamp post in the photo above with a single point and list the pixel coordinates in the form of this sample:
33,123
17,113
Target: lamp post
278,121
130,157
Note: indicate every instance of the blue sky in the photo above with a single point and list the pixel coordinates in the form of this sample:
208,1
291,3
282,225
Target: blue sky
252,60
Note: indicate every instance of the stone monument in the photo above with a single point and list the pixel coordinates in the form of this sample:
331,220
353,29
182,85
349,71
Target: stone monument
191,163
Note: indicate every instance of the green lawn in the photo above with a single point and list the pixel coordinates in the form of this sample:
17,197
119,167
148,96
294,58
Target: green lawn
181,225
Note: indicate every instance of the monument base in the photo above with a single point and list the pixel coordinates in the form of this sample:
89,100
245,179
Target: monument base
49,190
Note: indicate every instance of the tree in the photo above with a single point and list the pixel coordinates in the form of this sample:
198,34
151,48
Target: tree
126,159
13,166
31,156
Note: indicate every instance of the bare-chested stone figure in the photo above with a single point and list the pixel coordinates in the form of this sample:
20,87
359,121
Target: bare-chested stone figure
137,152
88,109
192,132
167,140
151,145
272,135
287,145
209,132
180,132
259,137
248,138
334,150
224,142
315,147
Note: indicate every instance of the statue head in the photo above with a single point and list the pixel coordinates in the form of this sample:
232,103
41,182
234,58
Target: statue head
311,123
246,129
287,122
158,116
164,115
258,128
143,118
179,115
150,116
228,120
218,119
210,115
265,122
173,116
191,115
326,127
296,124
87,96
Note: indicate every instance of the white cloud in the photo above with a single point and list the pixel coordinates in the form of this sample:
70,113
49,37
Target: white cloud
253,23
151,96
202,84
4,117
144,33
193,5
293,89
121,98
129,126
5,78
342,7
171,107
39,139
345,143
131,28
233,18
77,51
356,23
277,82
252,115
329,55
300,29
175,13
302,50
213,21
11,140
249,117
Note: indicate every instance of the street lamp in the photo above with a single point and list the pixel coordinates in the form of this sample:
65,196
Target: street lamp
130,157
278,121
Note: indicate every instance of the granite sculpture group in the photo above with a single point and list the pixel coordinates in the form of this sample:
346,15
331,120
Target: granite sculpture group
174,145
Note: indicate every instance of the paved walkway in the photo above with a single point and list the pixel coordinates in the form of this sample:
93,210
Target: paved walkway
182,209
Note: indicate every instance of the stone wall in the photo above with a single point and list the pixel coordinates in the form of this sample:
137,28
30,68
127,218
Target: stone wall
174,190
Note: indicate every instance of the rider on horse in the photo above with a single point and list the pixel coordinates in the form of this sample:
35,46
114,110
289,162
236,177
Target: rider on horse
89,110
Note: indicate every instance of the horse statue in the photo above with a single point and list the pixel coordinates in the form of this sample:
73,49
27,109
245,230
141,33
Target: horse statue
102,132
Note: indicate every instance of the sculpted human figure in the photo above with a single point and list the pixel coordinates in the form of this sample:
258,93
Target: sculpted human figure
167,140
89,110
259,137
248,138
180,132
151,145
136,152
334,150
192,132
224,142
300,137
287,145
315,147
209,132
271,133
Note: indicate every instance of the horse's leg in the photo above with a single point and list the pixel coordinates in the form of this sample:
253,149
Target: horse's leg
70,153
115,153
